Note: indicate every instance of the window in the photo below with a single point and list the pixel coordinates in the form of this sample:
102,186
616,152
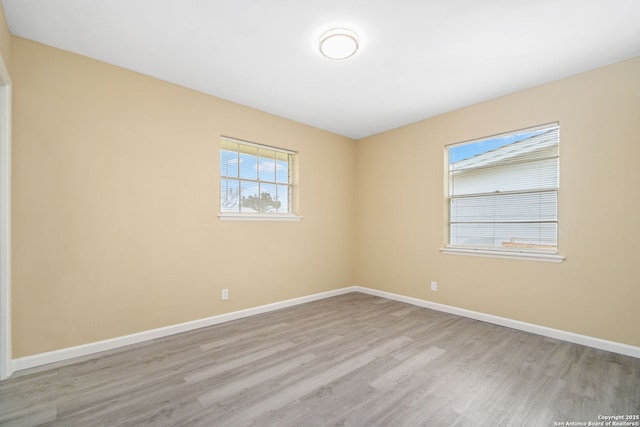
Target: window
503,195
255,181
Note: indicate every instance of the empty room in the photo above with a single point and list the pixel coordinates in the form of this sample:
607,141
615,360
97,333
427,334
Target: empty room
339,213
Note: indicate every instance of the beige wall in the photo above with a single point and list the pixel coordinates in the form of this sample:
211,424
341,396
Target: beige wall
5,39
402,218
115,202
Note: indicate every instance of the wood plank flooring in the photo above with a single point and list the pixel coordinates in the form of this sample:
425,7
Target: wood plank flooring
352,360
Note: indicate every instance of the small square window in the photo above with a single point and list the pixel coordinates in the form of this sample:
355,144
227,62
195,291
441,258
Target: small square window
256,181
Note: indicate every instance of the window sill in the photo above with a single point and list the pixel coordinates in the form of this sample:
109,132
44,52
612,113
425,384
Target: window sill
230,216
526,256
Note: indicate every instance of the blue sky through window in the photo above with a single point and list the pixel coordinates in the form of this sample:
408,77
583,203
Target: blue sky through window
466,151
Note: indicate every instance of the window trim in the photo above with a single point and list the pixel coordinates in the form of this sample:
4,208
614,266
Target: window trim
503,254
248,216
532,254
256,145
258,216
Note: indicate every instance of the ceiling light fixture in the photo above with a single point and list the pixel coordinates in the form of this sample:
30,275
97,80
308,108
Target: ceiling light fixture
338,43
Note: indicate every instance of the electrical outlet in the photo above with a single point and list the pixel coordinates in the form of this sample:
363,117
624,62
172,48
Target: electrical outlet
225,294
434,286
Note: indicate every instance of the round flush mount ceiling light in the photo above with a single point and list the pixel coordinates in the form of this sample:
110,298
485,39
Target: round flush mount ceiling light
338,43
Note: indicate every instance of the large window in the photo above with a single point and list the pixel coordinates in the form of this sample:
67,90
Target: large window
255,180
503,193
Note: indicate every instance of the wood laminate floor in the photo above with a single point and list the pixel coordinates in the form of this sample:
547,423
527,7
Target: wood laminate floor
352,360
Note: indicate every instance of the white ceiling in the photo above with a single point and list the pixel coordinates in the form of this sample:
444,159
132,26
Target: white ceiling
418,58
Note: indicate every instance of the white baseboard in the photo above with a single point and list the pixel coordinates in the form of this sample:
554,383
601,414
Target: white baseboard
114,343
585,340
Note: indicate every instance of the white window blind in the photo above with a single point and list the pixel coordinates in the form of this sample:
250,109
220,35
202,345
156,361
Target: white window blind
255,179
503,192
